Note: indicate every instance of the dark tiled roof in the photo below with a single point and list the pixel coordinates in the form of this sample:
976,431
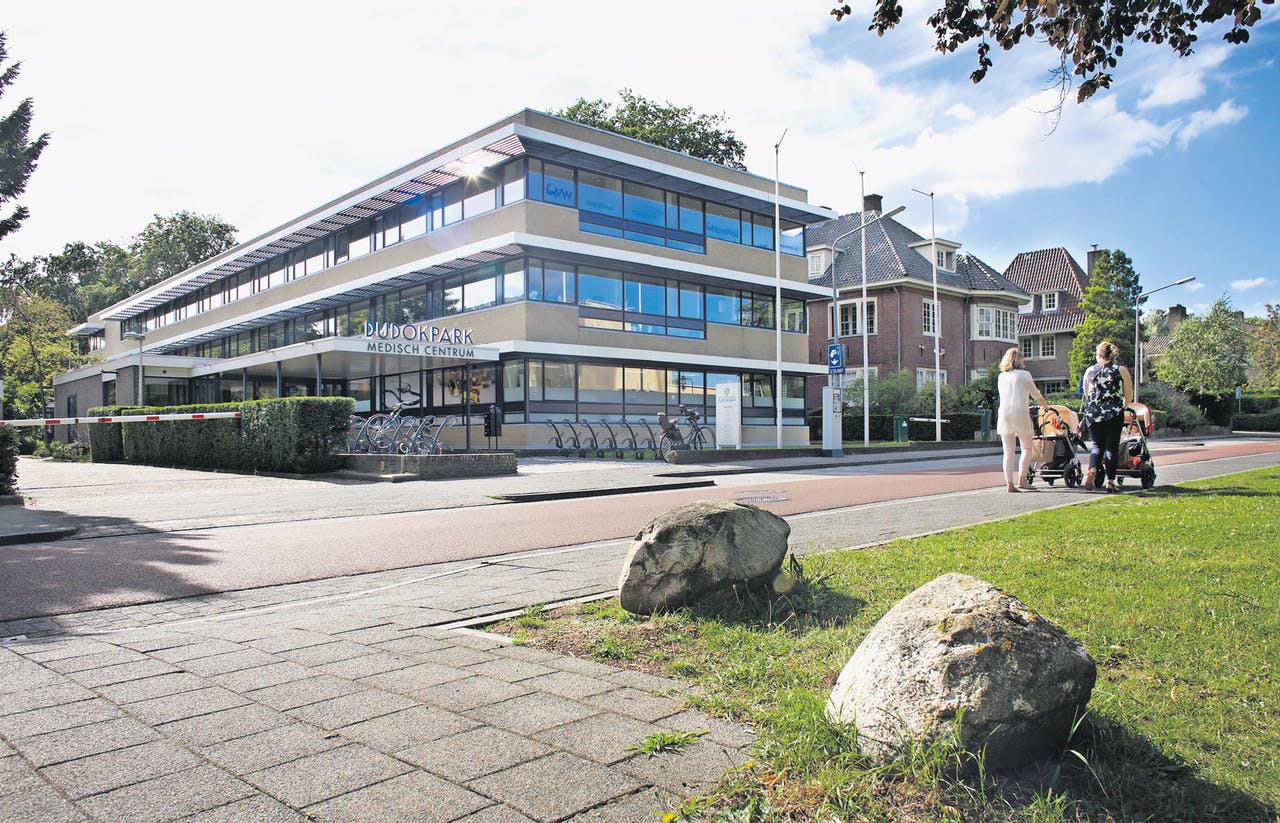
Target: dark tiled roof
891,257
1156,346
1050,322
1047,270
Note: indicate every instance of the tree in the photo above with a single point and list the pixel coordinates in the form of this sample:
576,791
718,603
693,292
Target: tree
17,156
677,128
1266,349
1208,355
34,348
1090,36
169,245
1108,309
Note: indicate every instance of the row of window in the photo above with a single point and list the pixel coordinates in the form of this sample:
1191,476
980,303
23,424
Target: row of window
1048,302
535,390
606,298
989,321
606,205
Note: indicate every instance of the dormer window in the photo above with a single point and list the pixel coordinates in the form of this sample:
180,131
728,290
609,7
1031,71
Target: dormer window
946,259
1049,301
818,262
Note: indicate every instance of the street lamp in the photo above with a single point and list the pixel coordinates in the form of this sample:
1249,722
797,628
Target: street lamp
133,335
937,322
777,291
862,326
1137,337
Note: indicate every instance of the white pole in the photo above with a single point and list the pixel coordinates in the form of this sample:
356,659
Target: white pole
1137,340
862,323
838,451
777,291
937,323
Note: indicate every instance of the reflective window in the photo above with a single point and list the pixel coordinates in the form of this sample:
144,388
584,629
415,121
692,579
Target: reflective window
513,182
452,204
599,288
600,194
723,306
559,380
358,245
643,204
479,194
644,385
557,185
722,222
599,383
762,231
557,283
792,238
480,289
413,217
793,316
451,295
513,281
645,295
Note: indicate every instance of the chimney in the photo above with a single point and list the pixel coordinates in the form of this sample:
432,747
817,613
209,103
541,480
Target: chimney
872,202
1091,259
1176,314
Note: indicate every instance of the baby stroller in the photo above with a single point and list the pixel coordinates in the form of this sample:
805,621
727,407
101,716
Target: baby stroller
1054,449
1134,459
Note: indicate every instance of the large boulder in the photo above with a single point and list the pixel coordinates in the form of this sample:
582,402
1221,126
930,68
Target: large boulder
700,548
958,647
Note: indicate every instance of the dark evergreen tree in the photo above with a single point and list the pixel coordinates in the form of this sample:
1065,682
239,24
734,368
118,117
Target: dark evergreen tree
1108,306
17,156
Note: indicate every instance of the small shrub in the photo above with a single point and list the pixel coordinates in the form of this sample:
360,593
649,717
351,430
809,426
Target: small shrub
1269,422
63,452
8,460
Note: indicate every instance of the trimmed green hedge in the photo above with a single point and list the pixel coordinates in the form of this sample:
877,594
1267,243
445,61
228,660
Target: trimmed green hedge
959,426
1269,422
289,434
8,460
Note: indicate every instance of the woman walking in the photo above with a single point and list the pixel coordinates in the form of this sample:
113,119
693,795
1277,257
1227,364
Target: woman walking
1106,388
1013,420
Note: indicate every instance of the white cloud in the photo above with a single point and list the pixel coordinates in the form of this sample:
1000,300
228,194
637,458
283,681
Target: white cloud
1204,120
1183,80
1252,283
1196,286
162,116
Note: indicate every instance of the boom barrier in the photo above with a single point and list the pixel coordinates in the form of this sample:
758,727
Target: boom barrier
124,418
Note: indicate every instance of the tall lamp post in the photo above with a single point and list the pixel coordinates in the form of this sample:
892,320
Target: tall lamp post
862,326
1137,336
937,322
133,335
777,291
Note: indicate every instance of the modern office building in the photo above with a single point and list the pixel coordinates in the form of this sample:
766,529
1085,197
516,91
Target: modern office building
552,269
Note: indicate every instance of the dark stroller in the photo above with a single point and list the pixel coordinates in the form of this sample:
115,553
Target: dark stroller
1057,441
1134,459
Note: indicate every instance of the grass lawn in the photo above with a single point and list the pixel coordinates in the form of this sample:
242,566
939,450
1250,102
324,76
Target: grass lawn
1175,593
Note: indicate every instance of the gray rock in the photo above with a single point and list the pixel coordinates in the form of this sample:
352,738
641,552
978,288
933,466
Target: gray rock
960,647
700,548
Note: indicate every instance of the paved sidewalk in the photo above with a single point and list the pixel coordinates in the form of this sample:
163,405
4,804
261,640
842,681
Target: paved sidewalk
369,697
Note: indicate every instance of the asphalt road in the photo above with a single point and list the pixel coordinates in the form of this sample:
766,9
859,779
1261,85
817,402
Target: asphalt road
184,533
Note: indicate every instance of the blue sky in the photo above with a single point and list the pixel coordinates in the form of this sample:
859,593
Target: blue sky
258,112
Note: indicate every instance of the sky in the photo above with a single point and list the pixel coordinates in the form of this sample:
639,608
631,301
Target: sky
257,112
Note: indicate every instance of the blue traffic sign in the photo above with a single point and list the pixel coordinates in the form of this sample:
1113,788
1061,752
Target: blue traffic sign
835,358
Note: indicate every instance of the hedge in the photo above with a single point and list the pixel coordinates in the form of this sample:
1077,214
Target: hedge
1269,422
289,434
958,426
8,460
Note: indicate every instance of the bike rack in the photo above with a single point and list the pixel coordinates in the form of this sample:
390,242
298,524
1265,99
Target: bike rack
619,449
651,443
598,448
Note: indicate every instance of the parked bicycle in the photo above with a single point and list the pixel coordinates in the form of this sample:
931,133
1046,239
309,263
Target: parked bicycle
672,439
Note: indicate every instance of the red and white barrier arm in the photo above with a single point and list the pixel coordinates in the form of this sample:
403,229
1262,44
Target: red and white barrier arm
124,418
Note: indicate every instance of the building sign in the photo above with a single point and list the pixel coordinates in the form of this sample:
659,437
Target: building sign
425,334
419,341
729,415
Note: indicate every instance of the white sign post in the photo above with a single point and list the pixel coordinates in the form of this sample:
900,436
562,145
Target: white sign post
729,415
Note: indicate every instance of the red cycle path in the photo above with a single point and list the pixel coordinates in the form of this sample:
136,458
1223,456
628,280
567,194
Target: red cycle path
60,577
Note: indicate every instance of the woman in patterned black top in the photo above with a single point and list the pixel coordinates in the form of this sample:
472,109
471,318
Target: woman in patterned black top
1106,387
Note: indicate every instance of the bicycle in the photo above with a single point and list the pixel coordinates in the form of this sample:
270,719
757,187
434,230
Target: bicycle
672,439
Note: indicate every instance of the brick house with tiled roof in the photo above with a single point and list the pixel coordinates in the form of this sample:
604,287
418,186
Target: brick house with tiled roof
978,307
1047,325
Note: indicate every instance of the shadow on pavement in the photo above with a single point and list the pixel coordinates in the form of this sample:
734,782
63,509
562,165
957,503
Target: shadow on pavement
63,576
